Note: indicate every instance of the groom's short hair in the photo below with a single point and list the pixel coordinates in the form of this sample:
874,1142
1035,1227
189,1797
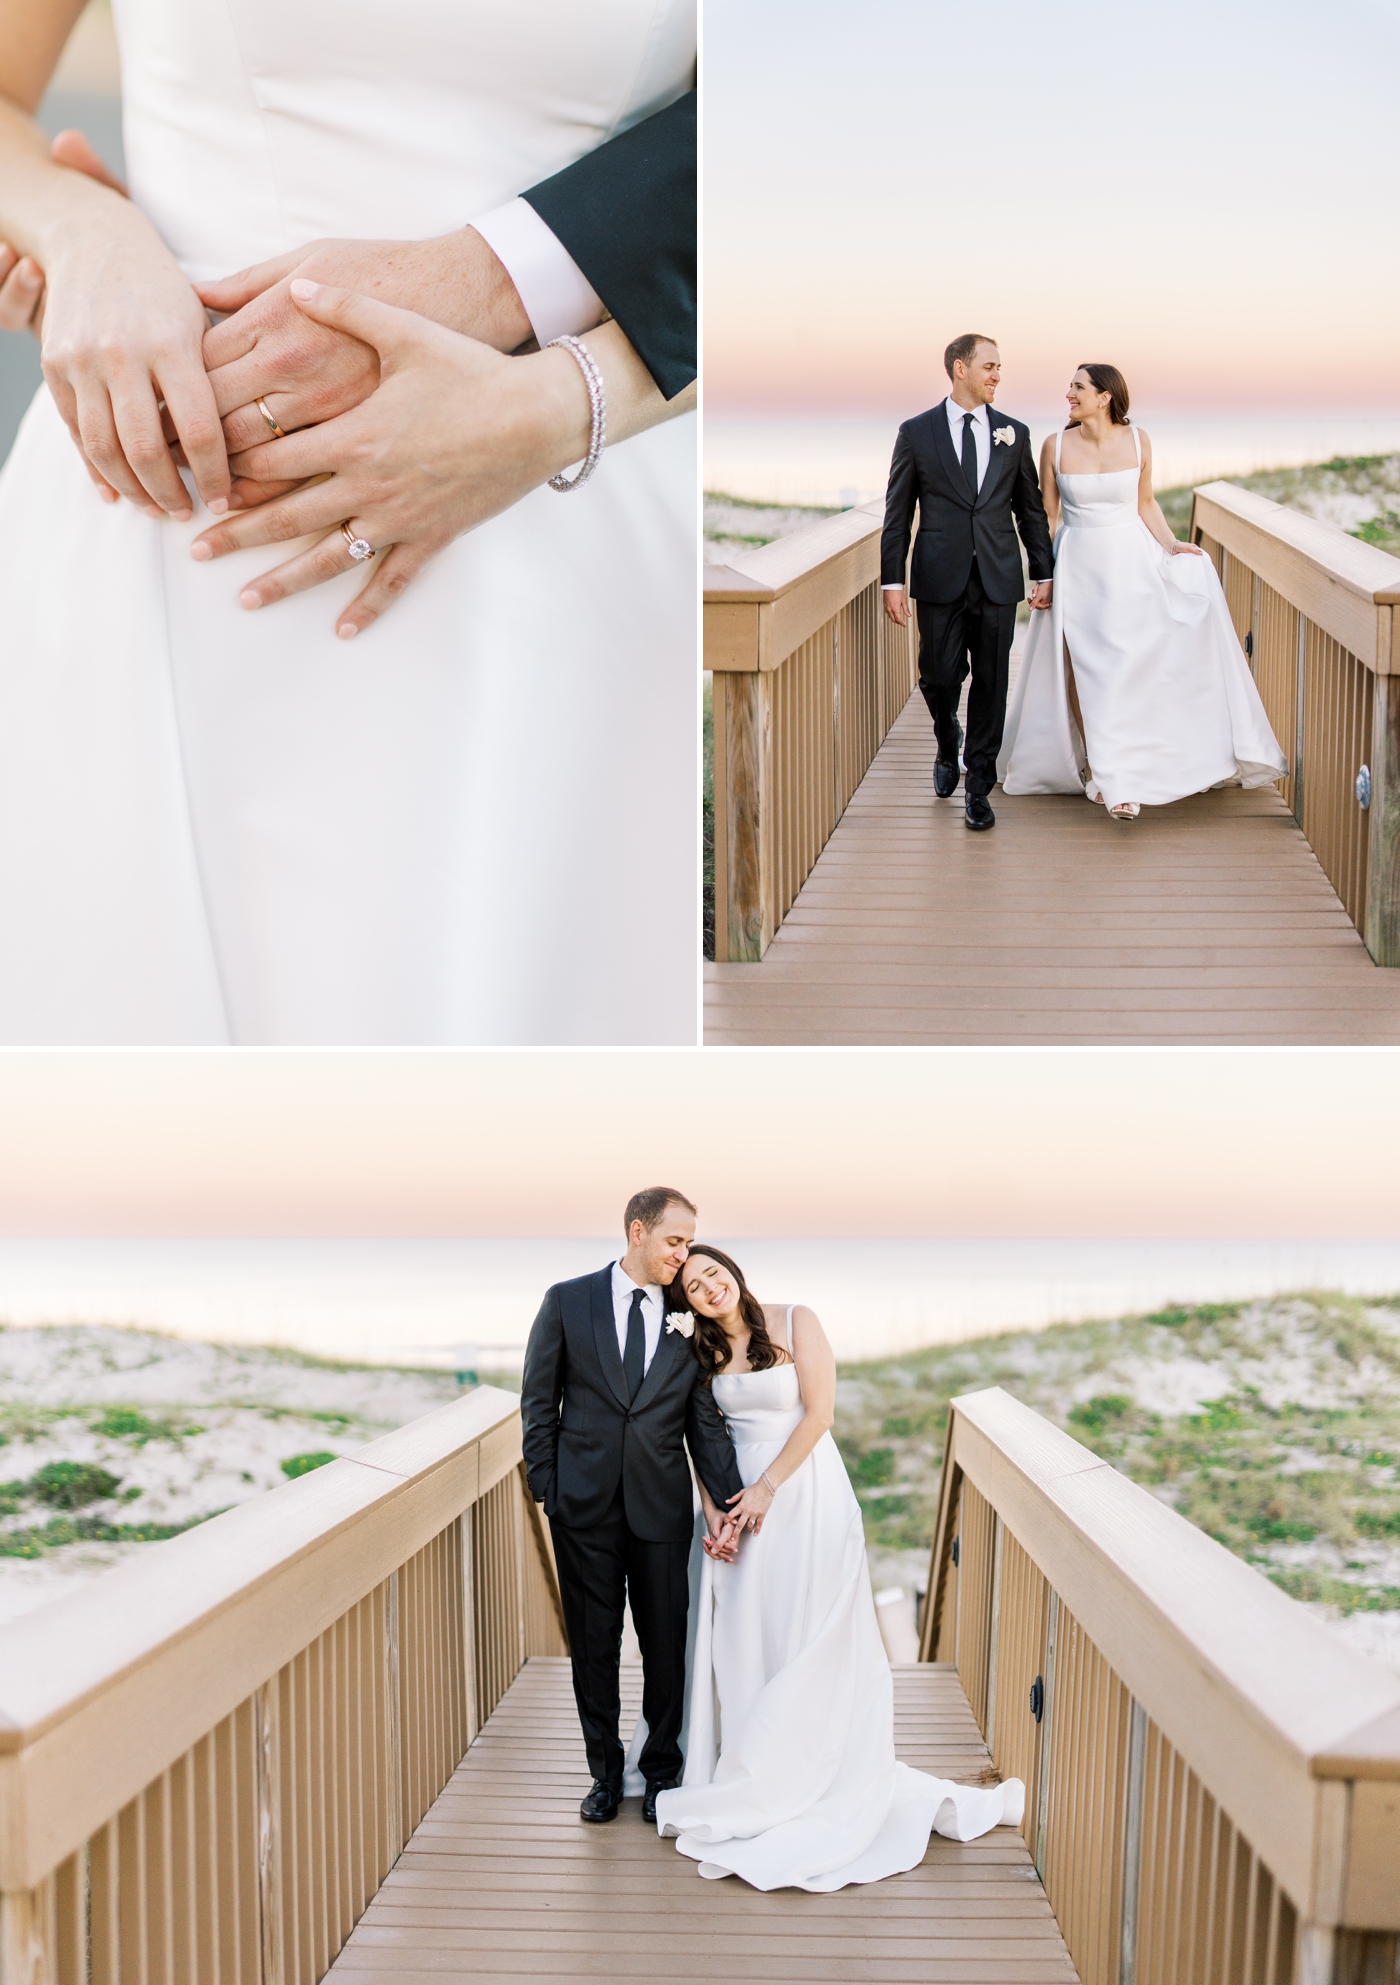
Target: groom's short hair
649,1206
964,348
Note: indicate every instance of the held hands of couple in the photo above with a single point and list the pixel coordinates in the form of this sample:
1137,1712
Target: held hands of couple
454,433
897,603
748,1509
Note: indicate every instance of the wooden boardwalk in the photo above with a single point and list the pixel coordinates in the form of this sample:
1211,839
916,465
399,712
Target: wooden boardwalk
503,1881
1207,922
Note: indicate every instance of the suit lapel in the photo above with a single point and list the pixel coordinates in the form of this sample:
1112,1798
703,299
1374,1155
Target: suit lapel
1000,453
948,455
605,1334
668,1348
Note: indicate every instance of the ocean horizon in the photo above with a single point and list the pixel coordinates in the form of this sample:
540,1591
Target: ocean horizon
454,1304
835,461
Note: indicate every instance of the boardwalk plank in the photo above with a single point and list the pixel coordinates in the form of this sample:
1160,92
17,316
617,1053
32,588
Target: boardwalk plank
502,1881
1209,922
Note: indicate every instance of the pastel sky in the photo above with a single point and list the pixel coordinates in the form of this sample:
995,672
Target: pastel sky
1294,1144
1201,194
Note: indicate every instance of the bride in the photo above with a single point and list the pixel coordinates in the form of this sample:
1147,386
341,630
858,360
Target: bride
790,1776
1134,689
223,827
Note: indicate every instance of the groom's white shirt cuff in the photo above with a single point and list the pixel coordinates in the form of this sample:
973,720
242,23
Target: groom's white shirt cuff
559,300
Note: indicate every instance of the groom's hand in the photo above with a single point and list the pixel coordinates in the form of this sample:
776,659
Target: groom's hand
897,605
306,372
1041,593
722,1538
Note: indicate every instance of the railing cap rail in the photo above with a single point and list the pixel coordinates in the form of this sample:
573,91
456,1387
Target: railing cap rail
1335,1710
1363,569
58,1658
768,571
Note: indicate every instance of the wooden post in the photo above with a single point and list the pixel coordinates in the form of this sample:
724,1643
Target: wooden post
267,1712
748,906
1383,868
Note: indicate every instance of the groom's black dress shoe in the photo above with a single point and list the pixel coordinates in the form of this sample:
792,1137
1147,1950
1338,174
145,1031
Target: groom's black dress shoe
649,1802
979,813
601,1803
945,770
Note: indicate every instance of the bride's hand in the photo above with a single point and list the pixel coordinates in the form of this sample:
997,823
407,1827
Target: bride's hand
306,372
454,434
1176,547
751,1505
122,332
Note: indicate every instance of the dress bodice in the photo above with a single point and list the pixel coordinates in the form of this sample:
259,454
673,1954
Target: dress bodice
1101,501
760,1408
252,127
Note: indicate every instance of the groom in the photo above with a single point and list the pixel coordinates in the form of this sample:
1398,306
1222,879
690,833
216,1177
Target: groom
609,1393
970,474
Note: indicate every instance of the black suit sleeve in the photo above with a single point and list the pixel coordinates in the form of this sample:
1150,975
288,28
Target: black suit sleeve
900,498
1028,507
626,213
711,1449
541,1389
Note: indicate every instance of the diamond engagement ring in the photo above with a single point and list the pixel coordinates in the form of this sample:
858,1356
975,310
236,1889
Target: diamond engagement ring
598,407
280,433
358,547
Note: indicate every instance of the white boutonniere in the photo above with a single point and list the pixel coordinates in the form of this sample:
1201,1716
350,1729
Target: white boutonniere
683,1322
1006,434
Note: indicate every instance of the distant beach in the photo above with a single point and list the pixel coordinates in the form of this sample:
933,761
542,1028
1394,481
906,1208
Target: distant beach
468,1304
834,463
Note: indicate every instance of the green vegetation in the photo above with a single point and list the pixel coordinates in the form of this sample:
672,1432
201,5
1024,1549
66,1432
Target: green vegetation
72,1484
1339,490
302,1464
36,1541
125,1423
1294,1465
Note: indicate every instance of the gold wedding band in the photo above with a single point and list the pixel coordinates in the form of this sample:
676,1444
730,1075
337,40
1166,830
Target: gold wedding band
271,419
359,547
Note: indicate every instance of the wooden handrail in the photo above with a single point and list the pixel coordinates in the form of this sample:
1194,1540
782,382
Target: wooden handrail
1293,1735
191,1658
1316,610
1338,582
808,678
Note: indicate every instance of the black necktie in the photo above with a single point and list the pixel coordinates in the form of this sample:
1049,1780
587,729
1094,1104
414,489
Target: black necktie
635,1356
969,456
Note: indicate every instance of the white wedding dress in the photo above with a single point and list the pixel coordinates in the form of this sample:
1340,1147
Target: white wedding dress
218,826
790,1778
1168,702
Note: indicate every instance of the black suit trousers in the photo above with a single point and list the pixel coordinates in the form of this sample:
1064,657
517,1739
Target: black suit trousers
597,1568
953,635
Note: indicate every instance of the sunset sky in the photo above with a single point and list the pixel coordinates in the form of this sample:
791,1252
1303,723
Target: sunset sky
1202,195
1293,1144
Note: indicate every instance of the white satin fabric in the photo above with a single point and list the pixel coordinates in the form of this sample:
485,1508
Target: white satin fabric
1168,702
218,826
790,1778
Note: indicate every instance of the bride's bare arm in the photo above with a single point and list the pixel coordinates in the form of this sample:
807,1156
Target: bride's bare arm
1049,488
1150,510
122,328
816,1374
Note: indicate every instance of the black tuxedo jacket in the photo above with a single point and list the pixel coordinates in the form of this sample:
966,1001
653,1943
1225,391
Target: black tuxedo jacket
626,213
582,1438
953,526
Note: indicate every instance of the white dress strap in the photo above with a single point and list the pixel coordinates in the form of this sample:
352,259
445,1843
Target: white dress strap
1058,433
791,1353
1137,444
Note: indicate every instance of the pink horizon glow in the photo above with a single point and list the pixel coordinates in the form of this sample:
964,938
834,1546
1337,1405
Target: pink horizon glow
958,1144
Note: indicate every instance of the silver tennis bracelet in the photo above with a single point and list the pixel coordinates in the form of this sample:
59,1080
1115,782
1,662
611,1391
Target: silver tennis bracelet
597,400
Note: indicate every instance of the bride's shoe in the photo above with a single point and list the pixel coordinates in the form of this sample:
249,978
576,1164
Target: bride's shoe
1125,810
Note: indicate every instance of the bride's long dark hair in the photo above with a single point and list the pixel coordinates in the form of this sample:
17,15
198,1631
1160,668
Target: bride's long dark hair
1108,379
712,1347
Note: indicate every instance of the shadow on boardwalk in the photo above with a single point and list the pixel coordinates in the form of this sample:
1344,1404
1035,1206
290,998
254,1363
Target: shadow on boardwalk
502,1880
1205,922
